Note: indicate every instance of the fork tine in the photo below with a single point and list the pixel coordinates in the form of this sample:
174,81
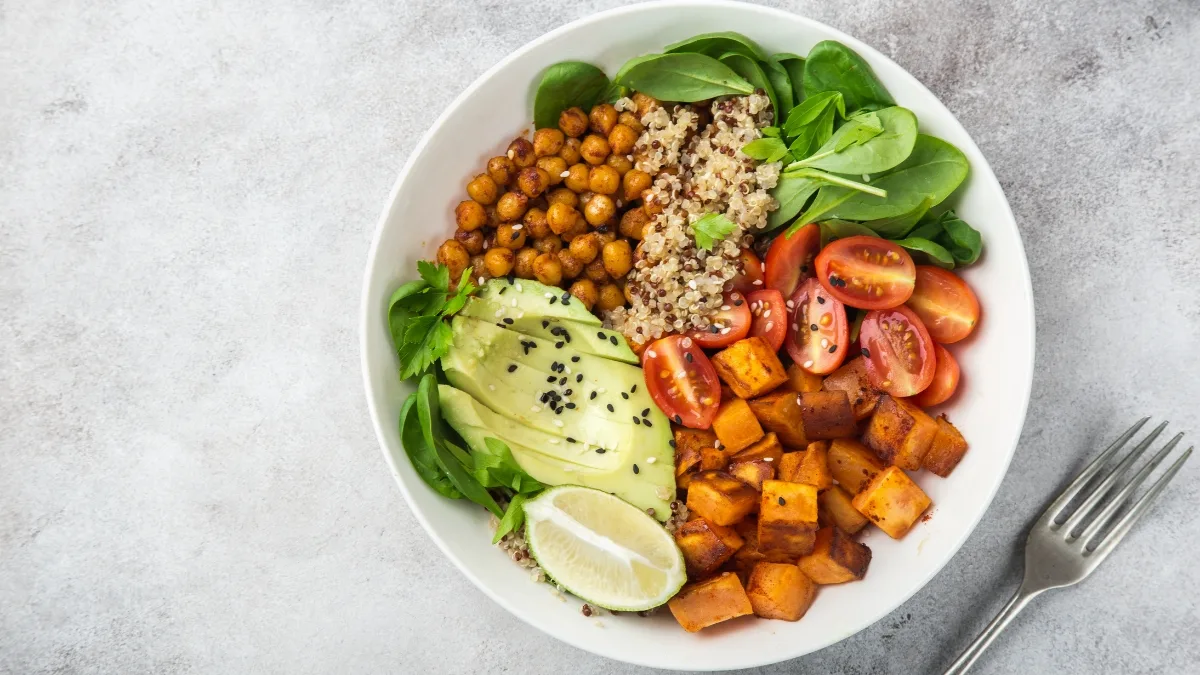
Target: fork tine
1126,522
1119,500
1091,470
1097,495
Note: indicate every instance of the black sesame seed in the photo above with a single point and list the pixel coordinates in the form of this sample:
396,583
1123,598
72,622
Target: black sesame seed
558,345
688,356
512,367
636,420
832,349
610,408
804,269
592,397
671,442
714,330
570,406
600,334
579,377
568,392
550,379
737,303
647,423
546,324
571,440
575,359
562,380
600,451
866,353
566,296
820,300
814,327
625,396
636,469
502,289
633,389
782,501
511,278
645,412
678,420
612,339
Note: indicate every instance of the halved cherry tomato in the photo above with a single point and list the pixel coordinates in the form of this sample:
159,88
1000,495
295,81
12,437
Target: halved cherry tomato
866,272
770,316
682,381
729,324
819,333
790,259
945,380
945,303
751,278
898,350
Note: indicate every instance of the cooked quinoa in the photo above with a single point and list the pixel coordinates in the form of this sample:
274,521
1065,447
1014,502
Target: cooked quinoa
676,286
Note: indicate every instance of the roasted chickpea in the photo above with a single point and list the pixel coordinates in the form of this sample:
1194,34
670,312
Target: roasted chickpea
479,269
511,206
610,297
493,217
520,151
587,293
585,248
604,180
570,151
547,142
536,225
577,178
602,119
498,261
573,122
548,269
595,271
453,255
554,167
483,189
621,139
644,103
533,181
523,263
594,149
561,217
619,162
563,195
501,169
579,229
631,120
599,209
604,234
551,244
472,240
571,267
618,258
635,183
651,206
633,223
510,235
470,215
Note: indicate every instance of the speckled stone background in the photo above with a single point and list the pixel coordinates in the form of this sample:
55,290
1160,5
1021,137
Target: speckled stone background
188,479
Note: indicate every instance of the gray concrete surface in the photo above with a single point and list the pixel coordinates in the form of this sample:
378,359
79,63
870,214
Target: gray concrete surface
188,478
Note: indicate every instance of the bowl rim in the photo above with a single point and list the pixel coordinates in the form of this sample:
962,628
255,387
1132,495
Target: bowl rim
983,171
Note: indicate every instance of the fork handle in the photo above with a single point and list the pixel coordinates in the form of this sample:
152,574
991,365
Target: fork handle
1006,615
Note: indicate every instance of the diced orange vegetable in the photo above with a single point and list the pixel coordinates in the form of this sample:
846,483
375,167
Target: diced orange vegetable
900,433
947,449
736,426
714,600
706,546
753,472
768,449
852,464
779,411
720,498
827,415
750,367
892,501
713,459
810,466
801,381
836,558
852,379
787,519
835,506
780,591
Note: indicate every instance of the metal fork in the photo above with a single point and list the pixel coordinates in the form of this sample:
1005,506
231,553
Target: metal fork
1066,544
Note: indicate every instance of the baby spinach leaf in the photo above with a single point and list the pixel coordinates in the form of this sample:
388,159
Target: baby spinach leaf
715,44
753,73
792,192
827,199
794,65
782,83
897,227
832,230
832,66
513,518
711,228
614,93
867,143
429,413
567,84
930,250
836,179
932,171
765,149
960,239
683,77
420,453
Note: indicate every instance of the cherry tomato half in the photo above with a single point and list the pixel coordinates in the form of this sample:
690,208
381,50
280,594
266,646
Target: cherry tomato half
946,305
898,350
866,272
682,381
770,316
729,324
945,380
819,333
751,278
790,259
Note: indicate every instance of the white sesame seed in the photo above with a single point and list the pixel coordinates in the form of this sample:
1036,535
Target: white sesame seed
518,287
824,343
795,326
629,157
725,308
770,325
767,314
768,459
480,281
790,304
513,303
651,353
651,460
686,343
491,387
559,423
535,409
517,227
511,154
758,282
564,174
499,313
799,398
717,444
549,295
725,331
808,363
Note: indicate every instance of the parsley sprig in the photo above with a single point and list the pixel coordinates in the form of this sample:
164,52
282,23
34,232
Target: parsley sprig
711,228
416,312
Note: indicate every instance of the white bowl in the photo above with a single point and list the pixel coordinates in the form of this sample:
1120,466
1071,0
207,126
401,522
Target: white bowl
997,361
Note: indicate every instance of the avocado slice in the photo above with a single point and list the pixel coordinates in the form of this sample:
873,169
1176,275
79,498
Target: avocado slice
586,338
525,297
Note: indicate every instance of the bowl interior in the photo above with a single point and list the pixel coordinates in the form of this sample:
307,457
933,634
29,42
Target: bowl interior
997,361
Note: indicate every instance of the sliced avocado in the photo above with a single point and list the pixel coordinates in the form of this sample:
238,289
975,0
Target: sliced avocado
586,338
554,461
524,297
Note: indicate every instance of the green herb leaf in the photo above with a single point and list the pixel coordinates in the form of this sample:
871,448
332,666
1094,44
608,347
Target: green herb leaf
714,44
711,228
513,518
960,239
930,250
567,84
832,230
683,77
811,110
832,66
614,93
897,227
770,132
792,192
794,65
453,467
766,149
420,453
782,83
868,143
498,468
932,171
827,199
437,276
753,73
426,339
416,312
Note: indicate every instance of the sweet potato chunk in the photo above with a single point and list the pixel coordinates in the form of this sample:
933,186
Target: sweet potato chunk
753,472
779,411
767,449
836,558
713,459
826,415
688,443
852,464
787,520
892,501
800,380
750,367
900,433
810,466
834,505
852,379
780,591
720,498
947,449
736,426
706,546
714,600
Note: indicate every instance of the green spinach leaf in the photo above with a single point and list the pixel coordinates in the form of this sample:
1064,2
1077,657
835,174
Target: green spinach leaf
832,230
832,66
867,143
451,465
715,44
811,110
896,227
684,77
929,250
567,84
794,65
420,453
614,93
792,192
932,171
753,73
782,83
960,239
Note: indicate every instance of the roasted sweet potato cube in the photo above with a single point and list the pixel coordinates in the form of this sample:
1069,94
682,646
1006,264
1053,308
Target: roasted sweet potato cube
834,505
714,600
852,379
780,591
706,546
767,449
750,367
800,380
900,433
892,501
753,472
810,466
947,449
713,459
720,498
787,519
836,558
689,443
852,464
779,412
736,426
826,415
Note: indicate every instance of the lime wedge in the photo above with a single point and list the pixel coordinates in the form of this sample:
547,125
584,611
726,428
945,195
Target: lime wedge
603,549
